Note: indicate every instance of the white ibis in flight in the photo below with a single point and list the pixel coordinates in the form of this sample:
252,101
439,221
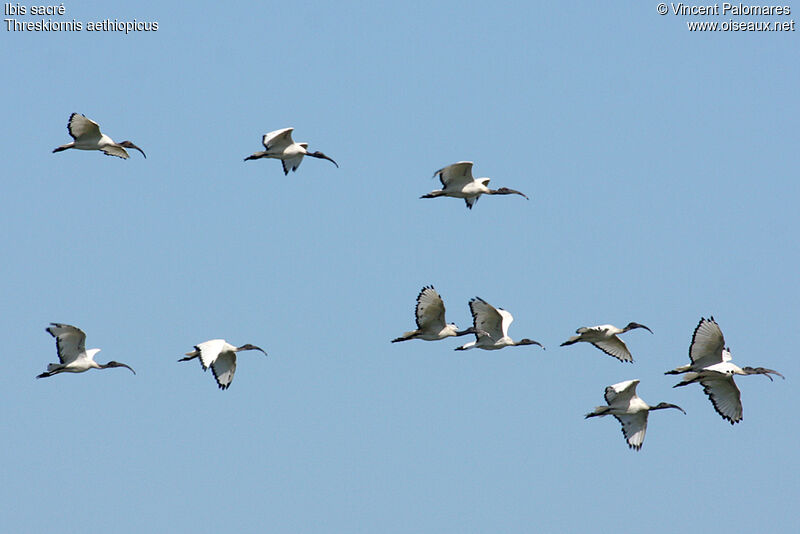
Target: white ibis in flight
221,357
712,367
279,145
429,314
629,410
86,136
490,326
72,354
457,182
605,337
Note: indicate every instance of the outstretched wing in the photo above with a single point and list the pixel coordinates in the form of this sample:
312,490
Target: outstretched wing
278,140
633,428
114,150
291,164
430,310
210,351
707,342
507,320
486,319
622,393
615,347
70,341
80,126
725,396
456,175
223,368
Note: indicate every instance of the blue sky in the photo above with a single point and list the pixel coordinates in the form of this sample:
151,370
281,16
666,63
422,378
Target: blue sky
662,170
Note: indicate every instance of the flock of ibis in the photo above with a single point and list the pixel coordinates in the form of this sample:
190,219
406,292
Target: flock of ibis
710,365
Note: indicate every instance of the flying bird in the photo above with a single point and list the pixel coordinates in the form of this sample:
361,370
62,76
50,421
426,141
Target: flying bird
279,145
72,354
629,410
429,314
86,136
711,365
490,326
457,182
221,357
605,337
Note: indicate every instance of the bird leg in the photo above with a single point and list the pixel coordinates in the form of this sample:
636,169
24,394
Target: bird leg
257,155
598,411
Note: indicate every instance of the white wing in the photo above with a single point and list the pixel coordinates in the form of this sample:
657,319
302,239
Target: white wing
621,393
278,140
223,369
725,397
486,318
70,341
430,310
113,150
81,127
584,329
291,164
209,351
507,320
456,176
615,347
707,342
633,428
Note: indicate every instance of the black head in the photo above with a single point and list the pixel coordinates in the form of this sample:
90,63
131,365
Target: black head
320,155
527,341
663,405
248,346
631,326
118,364
761,371
507,191
128,144
470,330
